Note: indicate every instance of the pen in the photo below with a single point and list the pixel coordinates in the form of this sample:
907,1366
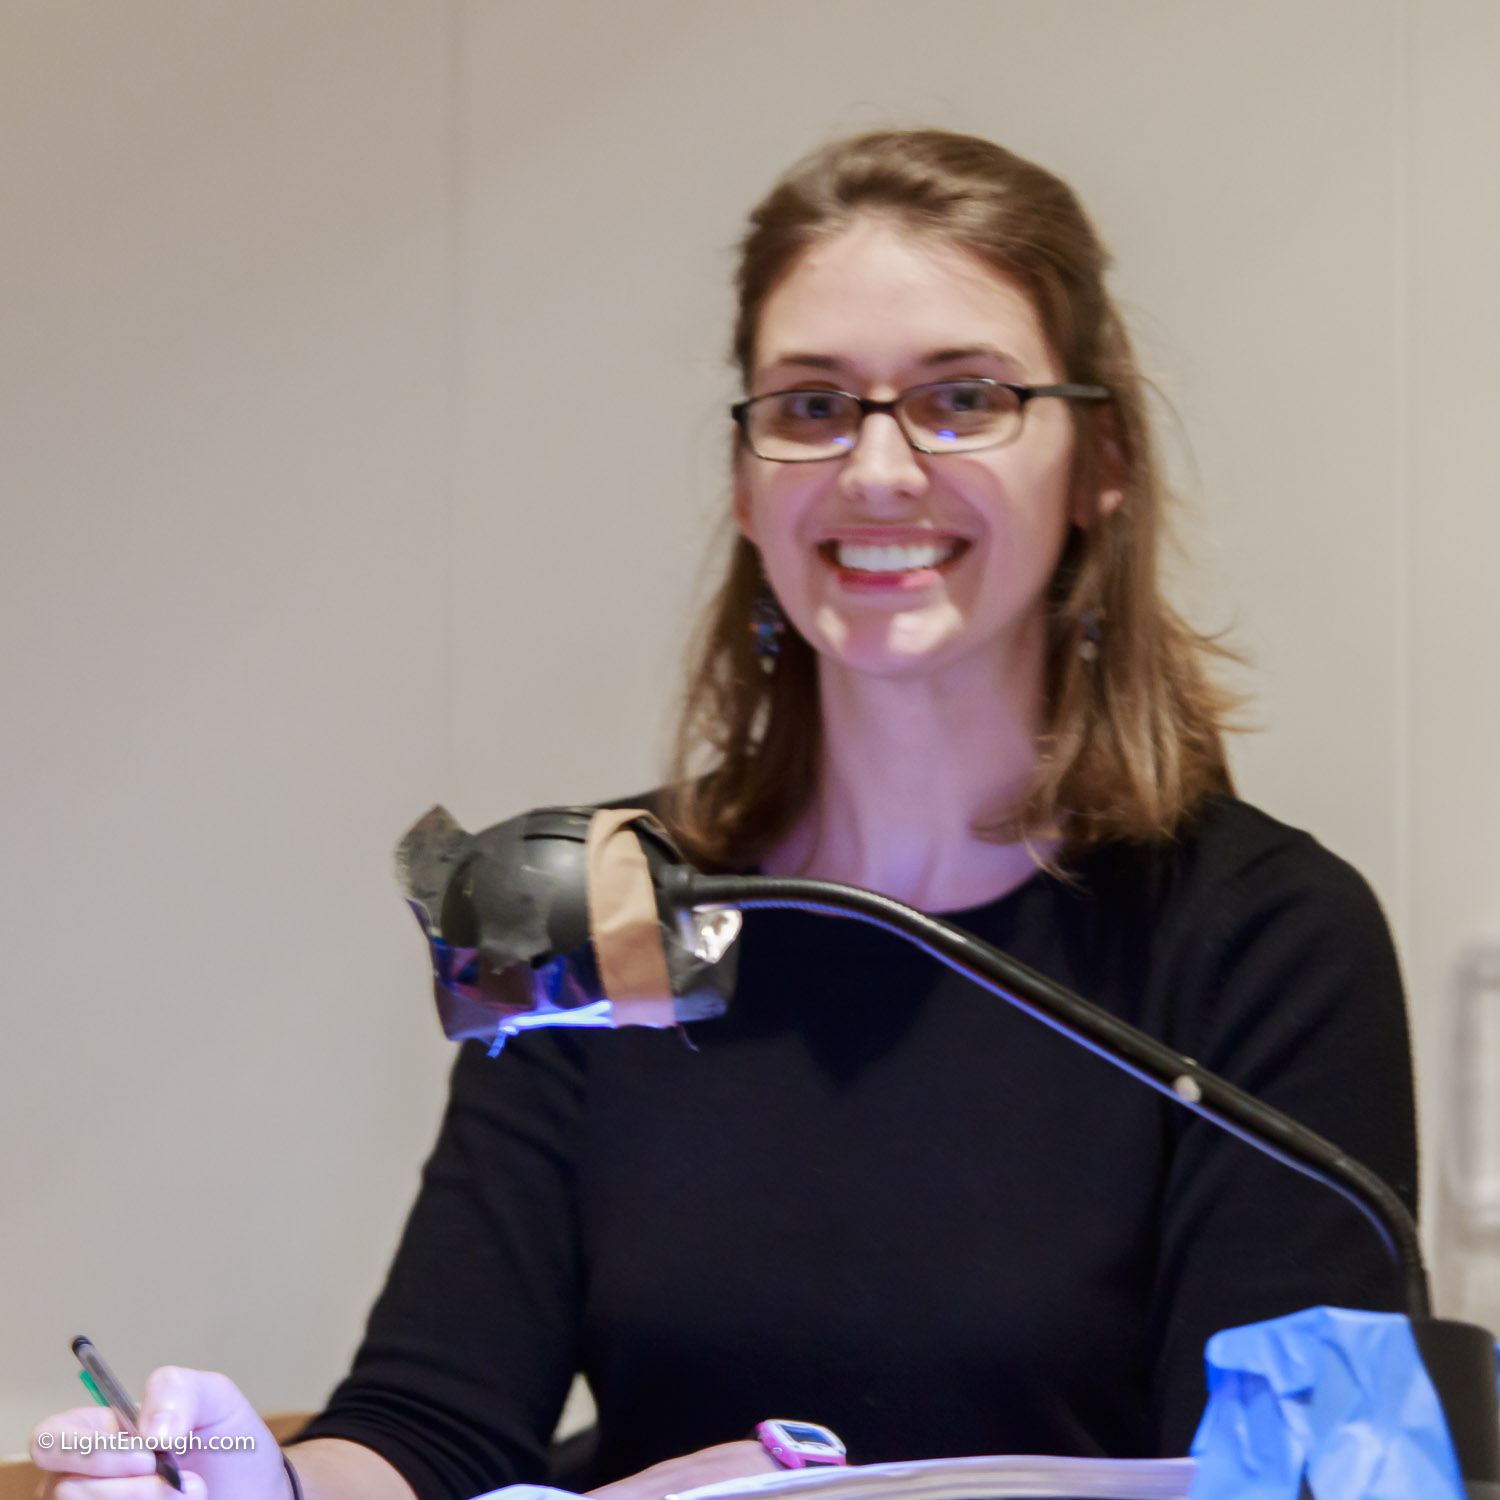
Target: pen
108,1391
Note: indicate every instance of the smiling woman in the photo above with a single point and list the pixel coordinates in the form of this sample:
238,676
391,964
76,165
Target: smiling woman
924,325
870,1195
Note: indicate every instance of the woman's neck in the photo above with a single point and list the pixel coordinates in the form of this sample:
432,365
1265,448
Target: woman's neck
909,768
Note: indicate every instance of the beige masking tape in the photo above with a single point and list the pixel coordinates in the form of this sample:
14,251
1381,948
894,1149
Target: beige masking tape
623,922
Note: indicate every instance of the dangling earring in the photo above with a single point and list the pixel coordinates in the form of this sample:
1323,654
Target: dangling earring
1093,634
767,625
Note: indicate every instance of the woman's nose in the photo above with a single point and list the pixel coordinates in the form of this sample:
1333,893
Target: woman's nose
882,465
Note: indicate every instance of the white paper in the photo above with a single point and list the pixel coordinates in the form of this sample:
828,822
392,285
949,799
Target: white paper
1033,1476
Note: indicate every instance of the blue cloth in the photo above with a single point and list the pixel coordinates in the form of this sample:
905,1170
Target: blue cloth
1341,1397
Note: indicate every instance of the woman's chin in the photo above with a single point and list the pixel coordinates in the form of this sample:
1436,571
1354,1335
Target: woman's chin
904,643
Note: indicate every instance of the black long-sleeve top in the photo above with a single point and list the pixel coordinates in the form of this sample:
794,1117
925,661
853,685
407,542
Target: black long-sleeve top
877,1197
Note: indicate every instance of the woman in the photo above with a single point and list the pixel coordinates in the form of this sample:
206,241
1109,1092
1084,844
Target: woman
870,1196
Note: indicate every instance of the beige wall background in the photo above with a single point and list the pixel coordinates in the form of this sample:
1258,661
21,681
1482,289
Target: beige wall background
298,538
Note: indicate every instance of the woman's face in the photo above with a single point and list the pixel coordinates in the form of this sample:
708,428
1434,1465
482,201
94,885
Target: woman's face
874,312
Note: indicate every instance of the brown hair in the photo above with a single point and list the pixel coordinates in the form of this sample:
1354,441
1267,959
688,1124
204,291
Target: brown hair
1133,726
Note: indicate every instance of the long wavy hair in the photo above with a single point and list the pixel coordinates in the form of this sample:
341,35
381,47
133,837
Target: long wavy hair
1133,724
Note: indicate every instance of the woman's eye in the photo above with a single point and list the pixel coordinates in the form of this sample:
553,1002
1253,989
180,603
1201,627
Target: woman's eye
811,406
961,408
966,399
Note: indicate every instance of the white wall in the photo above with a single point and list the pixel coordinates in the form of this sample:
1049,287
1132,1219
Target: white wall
226,399
1448,383
292,546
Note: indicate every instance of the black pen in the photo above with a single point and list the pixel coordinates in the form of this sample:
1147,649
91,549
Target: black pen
108,1391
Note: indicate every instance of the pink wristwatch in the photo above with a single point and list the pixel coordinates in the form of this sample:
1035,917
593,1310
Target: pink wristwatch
799,1445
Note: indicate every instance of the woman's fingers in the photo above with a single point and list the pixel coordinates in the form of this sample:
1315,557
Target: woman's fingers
87,1440
178,1406
178,1401
79,1419
148,1487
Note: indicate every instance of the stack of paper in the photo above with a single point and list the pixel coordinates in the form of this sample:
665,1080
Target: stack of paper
1006,1477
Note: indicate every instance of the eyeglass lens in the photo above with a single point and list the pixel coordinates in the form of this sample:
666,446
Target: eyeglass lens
947,416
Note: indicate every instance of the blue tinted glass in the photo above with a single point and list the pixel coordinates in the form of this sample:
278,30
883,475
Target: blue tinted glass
803,1434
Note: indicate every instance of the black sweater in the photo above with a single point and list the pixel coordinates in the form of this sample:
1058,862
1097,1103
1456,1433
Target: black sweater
877,1197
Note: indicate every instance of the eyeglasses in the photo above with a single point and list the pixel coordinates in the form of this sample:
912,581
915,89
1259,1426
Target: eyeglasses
947,416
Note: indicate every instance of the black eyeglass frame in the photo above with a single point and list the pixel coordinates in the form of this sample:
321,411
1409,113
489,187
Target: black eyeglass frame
1024,394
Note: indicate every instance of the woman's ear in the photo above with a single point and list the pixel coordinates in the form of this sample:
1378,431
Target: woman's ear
743,517
1110,474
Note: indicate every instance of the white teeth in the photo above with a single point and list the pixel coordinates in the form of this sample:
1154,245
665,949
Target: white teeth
866,557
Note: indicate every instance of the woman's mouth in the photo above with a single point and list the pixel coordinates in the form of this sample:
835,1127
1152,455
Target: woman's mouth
891,565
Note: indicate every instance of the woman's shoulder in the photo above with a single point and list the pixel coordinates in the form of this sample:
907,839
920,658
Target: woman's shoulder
1231,863
1263,857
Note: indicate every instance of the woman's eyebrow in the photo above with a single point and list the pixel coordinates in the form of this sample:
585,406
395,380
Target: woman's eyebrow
972,351
810,361
836,365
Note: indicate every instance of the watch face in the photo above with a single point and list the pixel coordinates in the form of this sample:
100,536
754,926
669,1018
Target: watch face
801,1434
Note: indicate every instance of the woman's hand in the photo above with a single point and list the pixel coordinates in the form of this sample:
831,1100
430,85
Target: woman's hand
202,1420
707,1466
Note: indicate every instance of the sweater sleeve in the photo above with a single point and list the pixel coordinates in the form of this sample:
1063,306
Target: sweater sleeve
469,1351
1285,981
